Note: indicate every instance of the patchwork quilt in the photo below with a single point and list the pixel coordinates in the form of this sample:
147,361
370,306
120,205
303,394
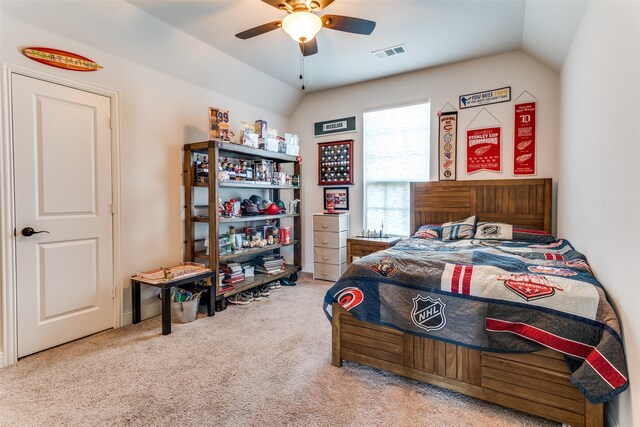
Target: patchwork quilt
500,296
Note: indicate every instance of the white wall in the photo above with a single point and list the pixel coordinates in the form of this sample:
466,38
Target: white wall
599,184
440,85
159,112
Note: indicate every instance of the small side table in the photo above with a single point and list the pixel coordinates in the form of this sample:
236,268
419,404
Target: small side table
361,246
165,286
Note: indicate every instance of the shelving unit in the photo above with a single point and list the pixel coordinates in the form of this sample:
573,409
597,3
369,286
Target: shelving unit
203,196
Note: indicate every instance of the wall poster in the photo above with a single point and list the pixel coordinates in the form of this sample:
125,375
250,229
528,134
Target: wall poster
447,143
483,149
493,96
524,139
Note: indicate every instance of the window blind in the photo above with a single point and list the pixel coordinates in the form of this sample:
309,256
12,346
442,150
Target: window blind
396,152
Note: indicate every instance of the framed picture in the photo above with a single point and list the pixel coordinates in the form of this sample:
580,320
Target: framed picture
336,198
335,163
218,124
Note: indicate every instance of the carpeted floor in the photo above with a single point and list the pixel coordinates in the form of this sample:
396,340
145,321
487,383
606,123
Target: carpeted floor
266,364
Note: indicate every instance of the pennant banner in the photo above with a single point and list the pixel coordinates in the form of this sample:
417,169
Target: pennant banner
483,149
524,139
448,137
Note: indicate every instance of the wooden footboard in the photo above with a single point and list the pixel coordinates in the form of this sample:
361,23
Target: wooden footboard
536,383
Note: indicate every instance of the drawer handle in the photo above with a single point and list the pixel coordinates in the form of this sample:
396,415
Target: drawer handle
325,226
325,274
324,242
325,258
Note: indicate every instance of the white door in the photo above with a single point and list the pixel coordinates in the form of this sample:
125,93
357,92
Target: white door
62,163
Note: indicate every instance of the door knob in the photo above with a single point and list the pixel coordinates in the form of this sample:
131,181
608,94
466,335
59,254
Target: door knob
28,232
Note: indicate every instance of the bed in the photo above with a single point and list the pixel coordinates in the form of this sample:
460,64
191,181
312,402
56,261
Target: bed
533,378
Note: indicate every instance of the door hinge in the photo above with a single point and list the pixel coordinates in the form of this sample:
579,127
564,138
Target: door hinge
110,123
113,209
113,293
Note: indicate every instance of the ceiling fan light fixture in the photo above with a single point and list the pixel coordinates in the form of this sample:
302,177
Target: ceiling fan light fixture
302,26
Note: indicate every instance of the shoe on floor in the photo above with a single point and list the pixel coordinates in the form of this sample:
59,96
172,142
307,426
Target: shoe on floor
248,295
264,290
238,299
257,296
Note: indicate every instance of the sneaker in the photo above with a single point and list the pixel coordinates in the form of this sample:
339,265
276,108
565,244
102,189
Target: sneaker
277,283
264,290
248,295
271,285
257,296
238,299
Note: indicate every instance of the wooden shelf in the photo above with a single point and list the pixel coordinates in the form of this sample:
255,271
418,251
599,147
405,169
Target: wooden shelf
257,280
253,218
228,149
245,252
250,184
201,207
254,251
247,184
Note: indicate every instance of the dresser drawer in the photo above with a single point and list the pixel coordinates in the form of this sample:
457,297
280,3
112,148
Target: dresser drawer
362,249
324,239
328,271
330,223
330,255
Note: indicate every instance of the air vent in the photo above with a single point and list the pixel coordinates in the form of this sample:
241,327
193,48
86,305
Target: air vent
390,51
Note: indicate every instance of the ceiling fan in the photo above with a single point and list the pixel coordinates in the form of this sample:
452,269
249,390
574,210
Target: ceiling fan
302,23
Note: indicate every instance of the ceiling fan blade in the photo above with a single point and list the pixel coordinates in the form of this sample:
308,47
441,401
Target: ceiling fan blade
260,29
309,48
348,24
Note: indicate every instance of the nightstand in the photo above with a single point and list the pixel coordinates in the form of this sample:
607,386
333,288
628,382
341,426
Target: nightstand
361,246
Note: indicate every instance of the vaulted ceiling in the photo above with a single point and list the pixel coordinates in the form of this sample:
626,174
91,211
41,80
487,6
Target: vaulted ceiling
434,32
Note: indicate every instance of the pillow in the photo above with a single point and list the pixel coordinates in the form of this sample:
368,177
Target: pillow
462,229
502,231
429,231
536,236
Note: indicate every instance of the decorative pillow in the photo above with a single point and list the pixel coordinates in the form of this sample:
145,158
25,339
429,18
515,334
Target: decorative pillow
493,231
502,231
536,236
462,229
429,231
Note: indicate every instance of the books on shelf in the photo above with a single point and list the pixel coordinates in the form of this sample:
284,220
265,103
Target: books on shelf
248,270
269,264
232,273
226,288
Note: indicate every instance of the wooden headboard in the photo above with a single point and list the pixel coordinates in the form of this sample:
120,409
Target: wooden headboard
525,202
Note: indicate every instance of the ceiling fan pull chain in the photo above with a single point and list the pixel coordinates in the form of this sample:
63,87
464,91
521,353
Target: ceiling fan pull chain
302,67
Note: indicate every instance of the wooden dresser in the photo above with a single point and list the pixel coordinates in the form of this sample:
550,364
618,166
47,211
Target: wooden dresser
330,245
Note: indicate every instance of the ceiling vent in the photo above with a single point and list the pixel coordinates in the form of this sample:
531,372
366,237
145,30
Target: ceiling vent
390,51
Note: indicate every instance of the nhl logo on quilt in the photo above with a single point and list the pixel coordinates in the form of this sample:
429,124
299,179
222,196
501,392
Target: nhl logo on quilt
385,267
428,313
349,297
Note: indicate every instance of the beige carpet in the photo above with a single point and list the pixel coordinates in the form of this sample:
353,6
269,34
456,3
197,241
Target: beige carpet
266,364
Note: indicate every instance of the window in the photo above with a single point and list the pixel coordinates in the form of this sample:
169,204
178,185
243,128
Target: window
396,152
